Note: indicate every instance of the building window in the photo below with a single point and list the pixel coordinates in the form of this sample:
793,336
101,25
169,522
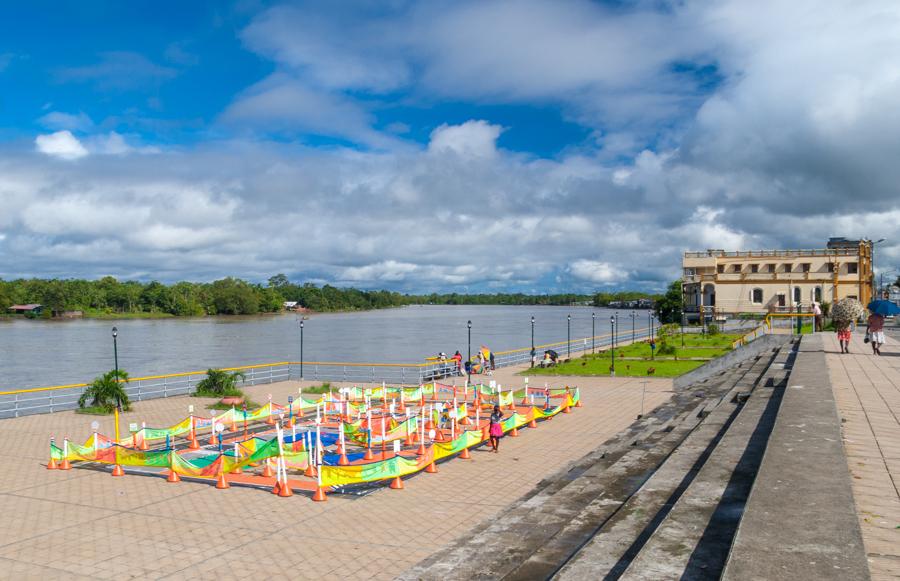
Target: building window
804,267
797,295
756,296
754,268
736,268
781,300
852,268
829,267
772,268
788,267
720,268
817,294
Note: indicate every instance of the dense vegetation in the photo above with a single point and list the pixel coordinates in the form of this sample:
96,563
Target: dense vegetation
231,296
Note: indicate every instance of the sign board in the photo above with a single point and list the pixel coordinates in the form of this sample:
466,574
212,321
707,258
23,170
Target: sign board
132,427
290,399
431,434
492,384
396,446
95,425
220,428
191,409
392,408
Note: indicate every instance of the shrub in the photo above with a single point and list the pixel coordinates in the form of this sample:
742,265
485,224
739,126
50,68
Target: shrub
712,329
218,383
105,392
665,348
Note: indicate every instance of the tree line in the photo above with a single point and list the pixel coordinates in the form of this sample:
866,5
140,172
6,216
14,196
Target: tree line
232,296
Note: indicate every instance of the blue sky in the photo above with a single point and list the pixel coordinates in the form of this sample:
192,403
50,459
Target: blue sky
519,145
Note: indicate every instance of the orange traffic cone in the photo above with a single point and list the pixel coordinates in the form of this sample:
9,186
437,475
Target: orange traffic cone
212,438
396,483
439,435
409,439
485,433
368,455
285,491
117,471
343,461
65,465
267,469
173,476
532,423
193,444
421,450
221,483
464,455
578,403
566,409
319,495
236,470
310,470
276,489
514,433
431,468
51,465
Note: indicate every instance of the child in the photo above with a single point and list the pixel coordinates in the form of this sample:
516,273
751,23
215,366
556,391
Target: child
496,429
843,335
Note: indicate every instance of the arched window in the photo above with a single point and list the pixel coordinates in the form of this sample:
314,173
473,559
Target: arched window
817,294
797,292
756,296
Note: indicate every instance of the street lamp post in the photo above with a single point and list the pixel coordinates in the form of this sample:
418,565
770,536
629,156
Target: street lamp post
532,340
593,332
301,348
568,336
872,266
117,469
612,351
469,326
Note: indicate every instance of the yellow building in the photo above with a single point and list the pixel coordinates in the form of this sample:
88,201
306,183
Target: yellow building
769,281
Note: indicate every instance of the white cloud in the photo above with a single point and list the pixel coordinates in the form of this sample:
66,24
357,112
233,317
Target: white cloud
66,121
61,144
472,139
598,272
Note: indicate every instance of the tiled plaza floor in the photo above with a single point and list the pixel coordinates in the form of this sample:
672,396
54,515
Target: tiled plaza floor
867,392
87,524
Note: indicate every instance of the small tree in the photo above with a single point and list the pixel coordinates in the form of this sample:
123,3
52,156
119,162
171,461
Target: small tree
105,392
218,383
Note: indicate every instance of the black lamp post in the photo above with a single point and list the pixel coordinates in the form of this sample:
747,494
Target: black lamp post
593,332
115,334
301,348
568,336
532,341
612,351
469,326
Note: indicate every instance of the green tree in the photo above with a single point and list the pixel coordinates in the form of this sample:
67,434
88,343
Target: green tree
668,308
105,392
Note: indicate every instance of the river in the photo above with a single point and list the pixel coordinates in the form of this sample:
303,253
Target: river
35,353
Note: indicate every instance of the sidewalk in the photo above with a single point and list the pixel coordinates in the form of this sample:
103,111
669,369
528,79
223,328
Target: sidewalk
87,524
867,392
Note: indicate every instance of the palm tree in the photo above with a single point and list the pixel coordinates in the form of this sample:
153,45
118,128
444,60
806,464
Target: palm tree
107,391
218,382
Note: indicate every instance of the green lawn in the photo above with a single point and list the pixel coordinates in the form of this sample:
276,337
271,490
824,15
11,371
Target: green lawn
625,368
695,345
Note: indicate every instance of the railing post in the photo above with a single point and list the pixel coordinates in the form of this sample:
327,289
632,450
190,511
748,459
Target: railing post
51,402
16,401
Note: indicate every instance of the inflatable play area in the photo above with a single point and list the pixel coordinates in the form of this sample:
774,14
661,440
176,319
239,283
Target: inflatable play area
344,441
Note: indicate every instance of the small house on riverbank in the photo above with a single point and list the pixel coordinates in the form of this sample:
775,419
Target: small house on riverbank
30,309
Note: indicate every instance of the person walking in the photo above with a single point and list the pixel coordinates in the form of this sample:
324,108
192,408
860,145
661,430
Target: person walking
493,366
875,332
496,429
817,319
843,335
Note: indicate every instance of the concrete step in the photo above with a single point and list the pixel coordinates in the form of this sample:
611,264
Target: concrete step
623,535
693,540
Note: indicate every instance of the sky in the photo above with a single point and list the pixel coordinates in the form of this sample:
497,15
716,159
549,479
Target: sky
458,146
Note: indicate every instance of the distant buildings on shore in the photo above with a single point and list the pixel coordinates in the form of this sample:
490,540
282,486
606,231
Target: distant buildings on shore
721,284
636,304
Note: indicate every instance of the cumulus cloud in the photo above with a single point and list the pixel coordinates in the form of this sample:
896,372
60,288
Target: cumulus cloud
713,125
472,138
61,144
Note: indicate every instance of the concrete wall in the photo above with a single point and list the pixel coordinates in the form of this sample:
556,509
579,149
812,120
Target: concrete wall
764,343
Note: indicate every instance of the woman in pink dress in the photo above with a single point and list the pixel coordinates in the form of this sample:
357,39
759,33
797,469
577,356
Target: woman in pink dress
496,429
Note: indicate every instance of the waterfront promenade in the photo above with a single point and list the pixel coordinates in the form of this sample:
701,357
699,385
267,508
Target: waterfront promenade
867,394
87,524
